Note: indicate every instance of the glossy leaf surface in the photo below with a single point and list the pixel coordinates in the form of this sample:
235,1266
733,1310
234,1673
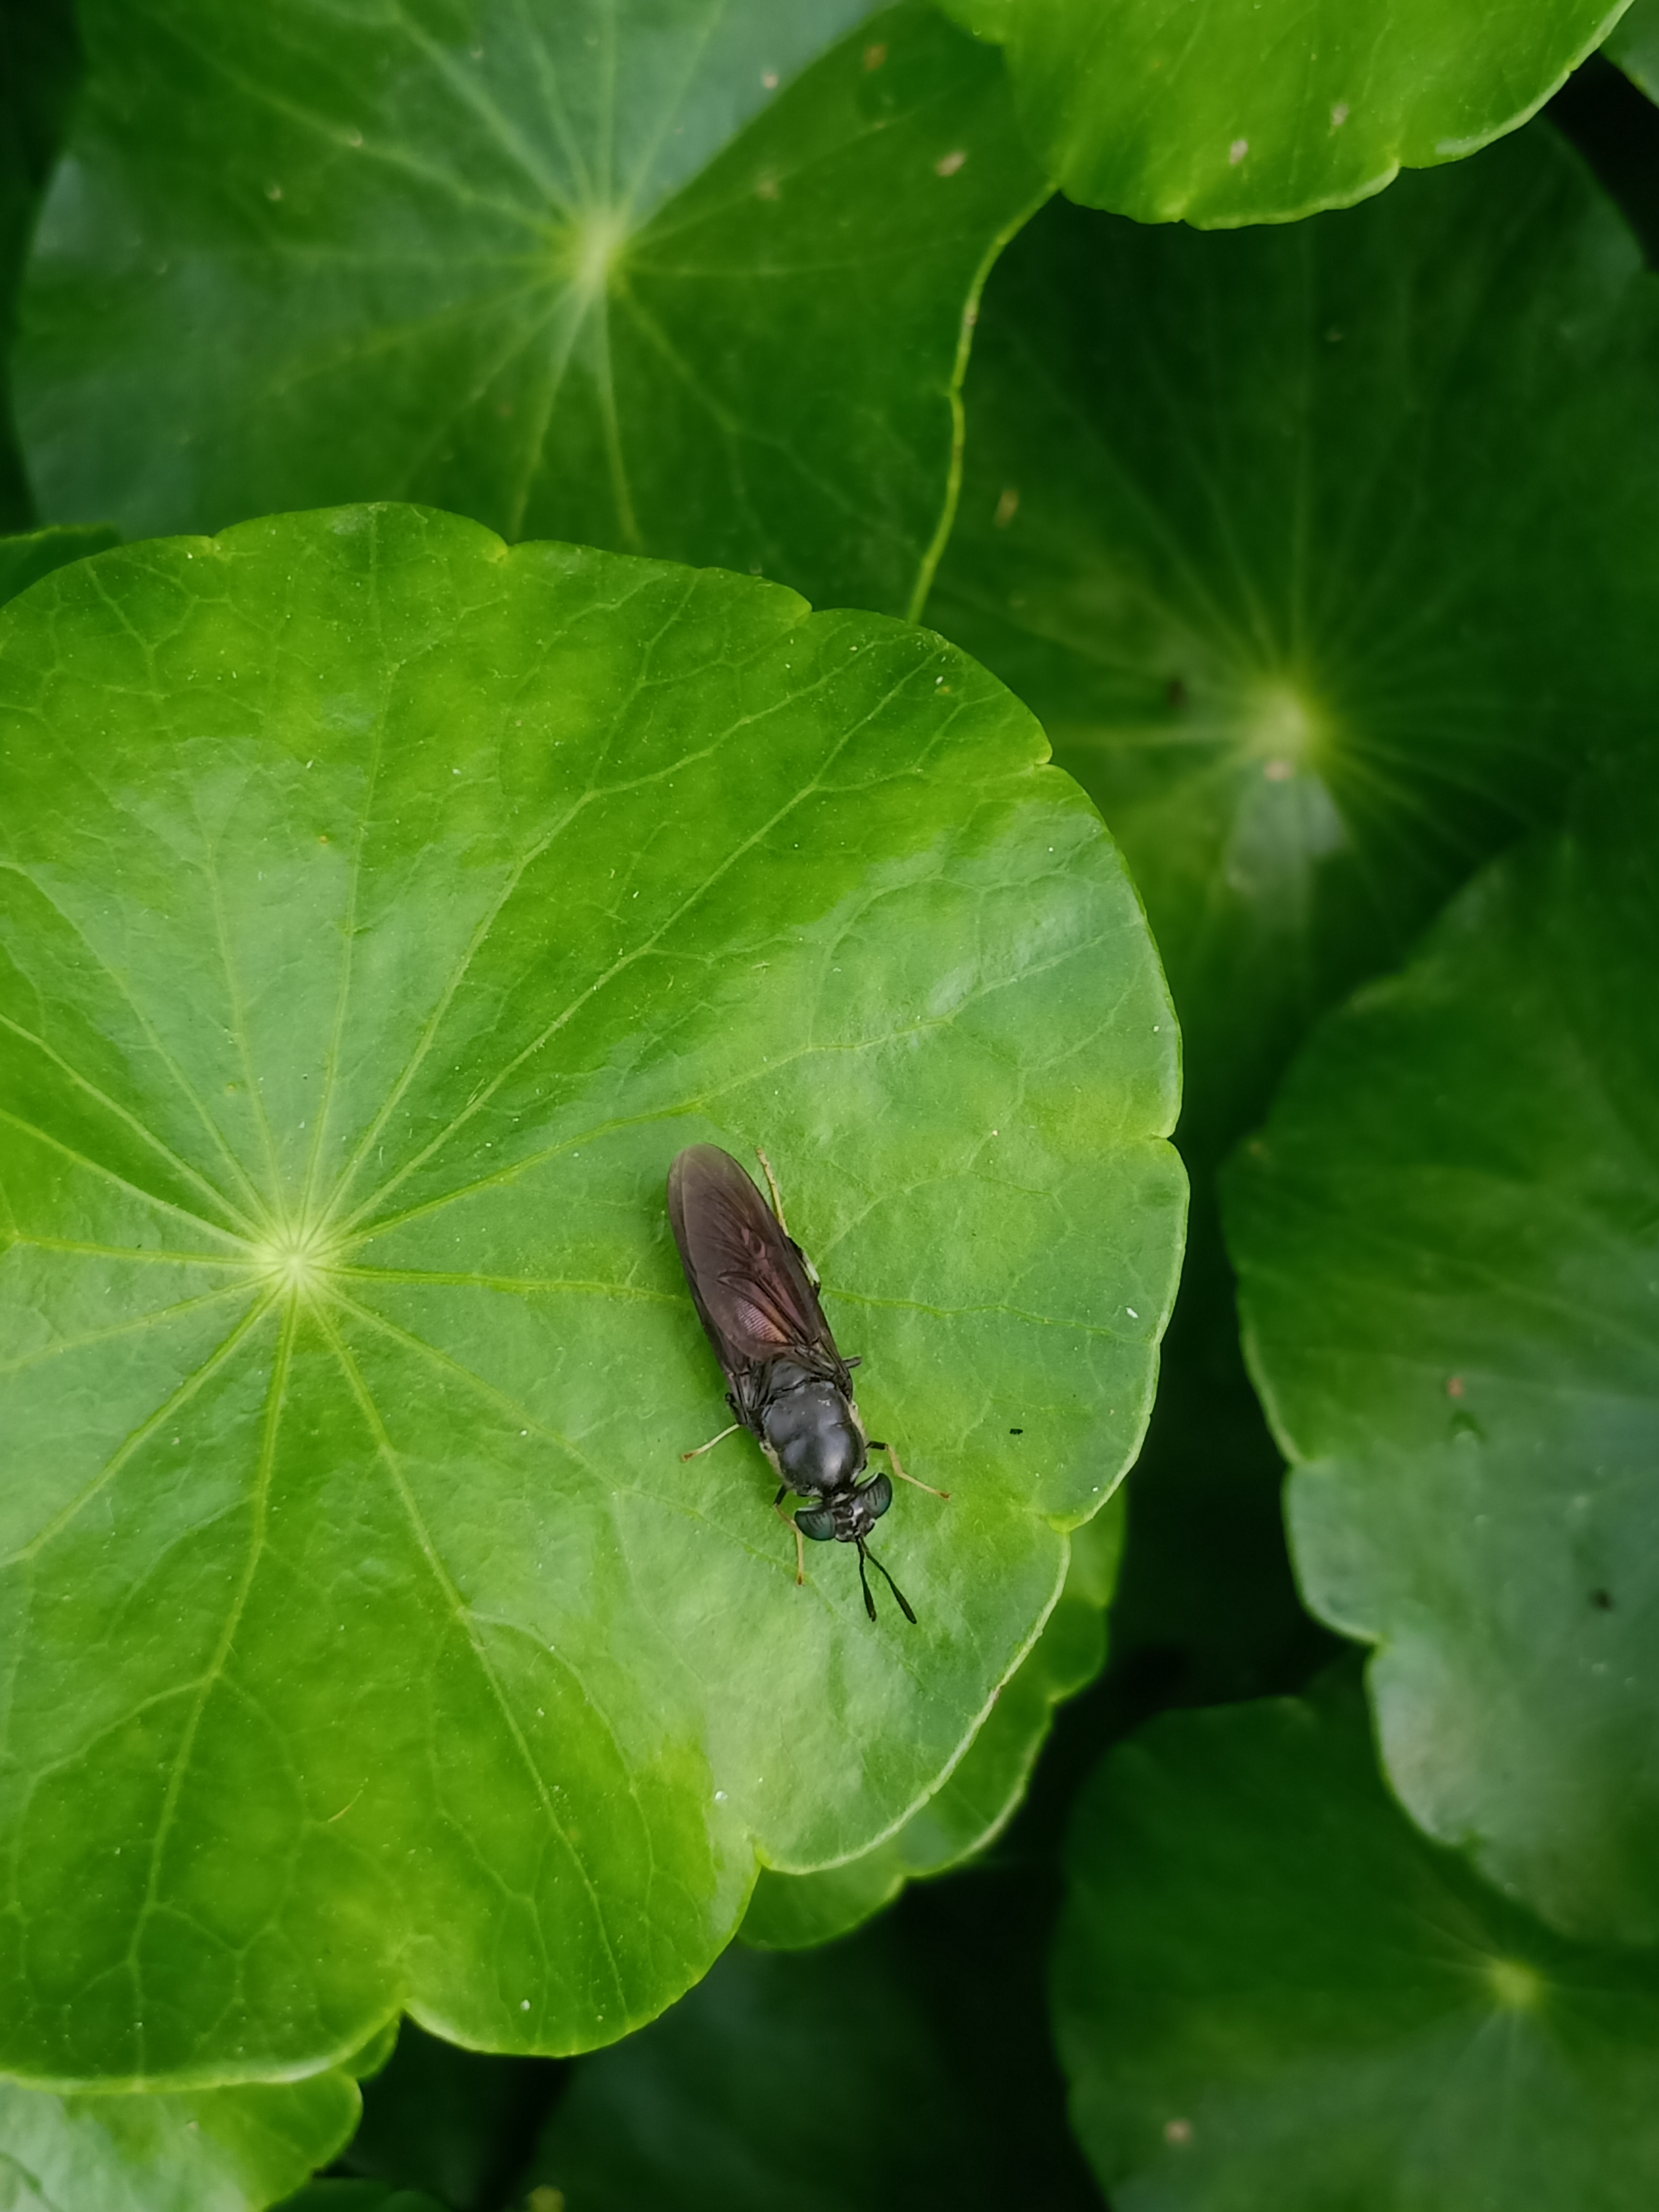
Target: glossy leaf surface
1272,1996
383,911
674,276
211,2150
1445,1241
1242,113
791,1912
1322,554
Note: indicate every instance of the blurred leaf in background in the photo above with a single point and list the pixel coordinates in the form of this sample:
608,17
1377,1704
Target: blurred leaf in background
691,280
902,2070
1272,1995
35,553
459,2123
39,63
1446,1239
1262,111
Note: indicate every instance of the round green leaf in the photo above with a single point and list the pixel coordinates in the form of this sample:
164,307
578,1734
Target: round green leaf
1322,554
674,276
382,911
1635,45
25,559
1445,1241
1235,113
983,1791
211,2150
1272,1996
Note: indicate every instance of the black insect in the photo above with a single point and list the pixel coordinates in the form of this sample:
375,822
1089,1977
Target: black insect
758,1296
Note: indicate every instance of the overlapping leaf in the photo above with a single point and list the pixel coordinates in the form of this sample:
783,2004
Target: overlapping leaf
790,1913
382,911
674,276
1240,112
37,73
35,553
1273,1995
213,2150
1446,1243
1634,46
1323,554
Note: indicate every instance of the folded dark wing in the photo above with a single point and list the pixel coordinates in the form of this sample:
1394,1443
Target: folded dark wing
751,1285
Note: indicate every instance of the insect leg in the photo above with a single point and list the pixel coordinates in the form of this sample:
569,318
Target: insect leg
893,1458
789,1522
772,1185
712,1442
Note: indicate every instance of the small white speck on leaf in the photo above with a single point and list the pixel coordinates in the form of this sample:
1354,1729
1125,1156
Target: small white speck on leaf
1237,151
948,164
769,80
1007,507
720,1796
1132,1314
273,191
1177,2131
1339,114
524,2004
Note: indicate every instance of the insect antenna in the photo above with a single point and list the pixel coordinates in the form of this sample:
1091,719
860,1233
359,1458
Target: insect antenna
869,1603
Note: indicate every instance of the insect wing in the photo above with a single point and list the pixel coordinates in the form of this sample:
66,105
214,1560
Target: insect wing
751,1285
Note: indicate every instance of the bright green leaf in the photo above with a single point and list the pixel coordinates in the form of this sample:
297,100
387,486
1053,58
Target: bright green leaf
1322,554
1234,112
209,2150
1272,1996
1445,1240
25,559
905,2067
676,277
383,911
1635,45
791,1912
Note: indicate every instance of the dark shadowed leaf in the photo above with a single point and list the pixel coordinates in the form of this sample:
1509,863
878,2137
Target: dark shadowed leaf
902,2070
1446,1242
381,913
1323,554
676,277
24,560
1273,1995
38,70
1243,112
1635,45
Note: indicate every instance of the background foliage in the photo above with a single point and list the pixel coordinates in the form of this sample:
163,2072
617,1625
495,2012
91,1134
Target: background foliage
369,1646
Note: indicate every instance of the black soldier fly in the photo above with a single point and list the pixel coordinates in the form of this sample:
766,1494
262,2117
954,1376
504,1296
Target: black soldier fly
757,1293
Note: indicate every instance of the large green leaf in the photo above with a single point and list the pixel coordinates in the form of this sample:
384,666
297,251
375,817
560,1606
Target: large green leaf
209,2150
382,912
1273,1995
665,275
1446,1243
1237,113
1322,554
980,1796
903,2070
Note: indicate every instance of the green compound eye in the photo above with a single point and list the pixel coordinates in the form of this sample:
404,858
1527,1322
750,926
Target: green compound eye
818,1525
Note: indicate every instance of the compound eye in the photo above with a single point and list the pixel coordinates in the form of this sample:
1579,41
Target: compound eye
877,1496
818,1524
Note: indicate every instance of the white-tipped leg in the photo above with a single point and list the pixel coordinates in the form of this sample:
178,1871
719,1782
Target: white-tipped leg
713,1441
772,1185
893,1461
793,1526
